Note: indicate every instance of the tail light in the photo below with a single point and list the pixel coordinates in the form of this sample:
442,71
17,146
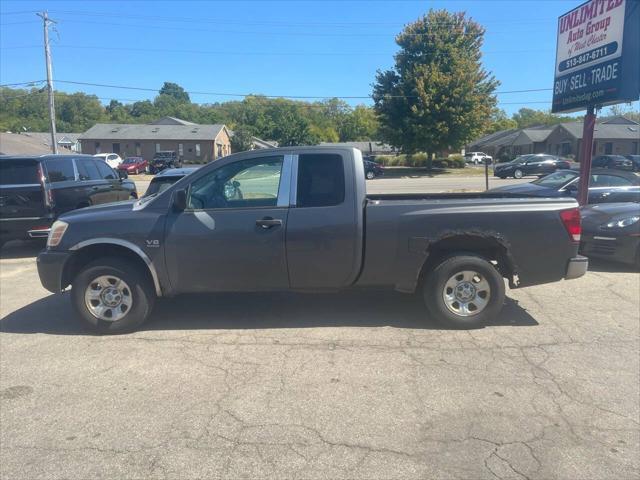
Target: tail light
571,220
48,194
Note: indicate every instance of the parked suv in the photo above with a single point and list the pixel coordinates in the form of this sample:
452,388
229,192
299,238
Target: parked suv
617,162
164,159
34,191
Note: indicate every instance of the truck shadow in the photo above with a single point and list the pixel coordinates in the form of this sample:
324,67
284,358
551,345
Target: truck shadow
605,266
54,315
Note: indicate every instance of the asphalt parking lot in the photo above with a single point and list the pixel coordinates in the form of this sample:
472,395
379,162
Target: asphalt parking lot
349,385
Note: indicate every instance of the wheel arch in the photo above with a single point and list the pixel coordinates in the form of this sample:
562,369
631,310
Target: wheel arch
89,250
488,246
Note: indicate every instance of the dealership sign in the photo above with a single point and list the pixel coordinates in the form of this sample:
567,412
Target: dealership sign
598,55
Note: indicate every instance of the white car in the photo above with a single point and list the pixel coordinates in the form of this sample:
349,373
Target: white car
477,158
112,159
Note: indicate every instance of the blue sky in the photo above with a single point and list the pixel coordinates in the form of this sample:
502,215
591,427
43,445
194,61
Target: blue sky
289,48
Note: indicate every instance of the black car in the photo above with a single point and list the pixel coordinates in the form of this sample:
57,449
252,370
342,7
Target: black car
617,162
635,159
166,178
612,231
534,164
605,186
34,191
372,169
164,159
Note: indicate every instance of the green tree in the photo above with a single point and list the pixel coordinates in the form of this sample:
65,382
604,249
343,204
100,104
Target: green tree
241,140
500,121
359,124
174,90
528,117
438,95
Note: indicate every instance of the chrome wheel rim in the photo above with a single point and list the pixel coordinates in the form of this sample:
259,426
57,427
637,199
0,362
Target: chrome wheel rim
370,175
108,298
466,293
518,174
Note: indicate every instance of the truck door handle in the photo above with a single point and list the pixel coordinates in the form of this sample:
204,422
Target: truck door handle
95,188
268,222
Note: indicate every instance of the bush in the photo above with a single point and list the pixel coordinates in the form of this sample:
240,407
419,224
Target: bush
456,161
441,163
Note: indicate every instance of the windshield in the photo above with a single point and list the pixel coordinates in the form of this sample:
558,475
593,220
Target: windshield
556,180
131,160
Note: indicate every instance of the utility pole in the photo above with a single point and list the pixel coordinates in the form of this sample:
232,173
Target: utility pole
47,56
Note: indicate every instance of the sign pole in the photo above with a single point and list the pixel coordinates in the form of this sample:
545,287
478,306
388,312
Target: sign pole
486,174
586,153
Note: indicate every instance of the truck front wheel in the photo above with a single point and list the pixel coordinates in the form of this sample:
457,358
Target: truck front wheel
112,296
464,291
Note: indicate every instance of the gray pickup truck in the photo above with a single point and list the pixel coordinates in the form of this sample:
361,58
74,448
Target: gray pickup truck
300,219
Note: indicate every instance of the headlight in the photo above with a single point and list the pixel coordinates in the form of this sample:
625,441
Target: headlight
622,222
57,231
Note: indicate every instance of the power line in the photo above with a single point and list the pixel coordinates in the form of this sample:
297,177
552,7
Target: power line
21,83
272,22
283,32
227,52
226,94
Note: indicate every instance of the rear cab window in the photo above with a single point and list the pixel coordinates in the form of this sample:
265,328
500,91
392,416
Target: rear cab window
321,180
60,170
19,171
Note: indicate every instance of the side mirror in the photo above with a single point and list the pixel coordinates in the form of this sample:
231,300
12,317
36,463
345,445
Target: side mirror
571,189
122,174
179,200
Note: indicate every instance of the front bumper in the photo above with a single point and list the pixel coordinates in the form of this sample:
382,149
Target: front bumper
611,246
50,269
577,267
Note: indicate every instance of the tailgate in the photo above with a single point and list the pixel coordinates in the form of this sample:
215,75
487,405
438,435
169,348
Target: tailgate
21,190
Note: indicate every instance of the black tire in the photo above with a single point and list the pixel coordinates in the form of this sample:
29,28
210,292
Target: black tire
435,283
142,293
502,177
517,173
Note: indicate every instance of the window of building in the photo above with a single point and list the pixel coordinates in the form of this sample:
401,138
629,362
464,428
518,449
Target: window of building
320,180
608,148
634,148
247,184
115,147
97,145
60,169
138,149
157,147
180,149
197,149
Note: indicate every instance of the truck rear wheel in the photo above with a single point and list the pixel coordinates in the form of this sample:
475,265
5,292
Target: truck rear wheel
112,296
464,291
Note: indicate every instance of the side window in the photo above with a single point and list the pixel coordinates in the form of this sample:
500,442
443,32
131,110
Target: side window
244,184
320,180
609,181
598,162
60,170
87,169
105,171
